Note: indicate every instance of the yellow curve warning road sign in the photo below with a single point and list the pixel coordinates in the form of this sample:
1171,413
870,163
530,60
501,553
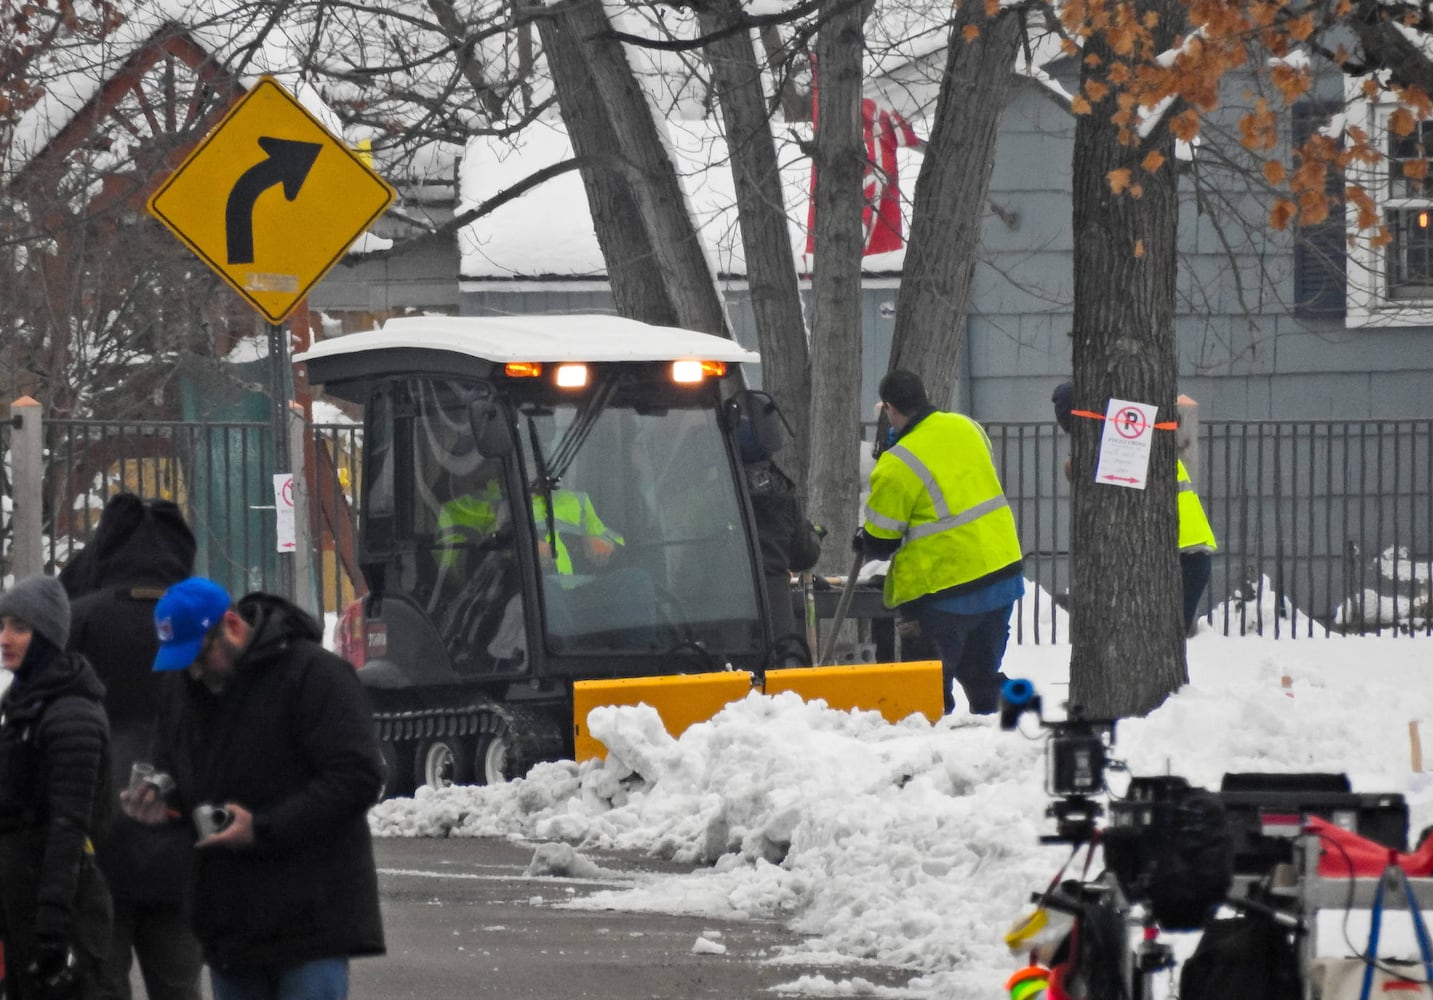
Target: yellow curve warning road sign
270,199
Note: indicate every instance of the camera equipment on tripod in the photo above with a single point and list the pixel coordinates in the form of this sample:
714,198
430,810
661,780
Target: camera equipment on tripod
1076,758
1167,843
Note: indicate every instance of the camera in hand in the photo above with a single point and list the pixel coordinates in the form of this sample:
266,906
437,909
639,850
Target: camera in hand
210,819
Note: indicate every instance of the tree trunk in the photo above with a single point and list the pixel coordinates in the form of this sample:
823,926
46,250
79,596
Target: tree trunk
765,233
950,198
1126,622
661,204
836,281
638,291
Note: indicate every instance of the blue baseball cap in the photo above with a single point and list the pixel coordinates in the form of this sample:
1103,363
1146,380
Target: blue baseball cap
183,616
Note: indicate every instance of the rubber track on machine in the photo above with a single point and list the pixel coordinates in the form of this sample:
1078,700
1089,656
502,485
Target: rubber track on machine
536,736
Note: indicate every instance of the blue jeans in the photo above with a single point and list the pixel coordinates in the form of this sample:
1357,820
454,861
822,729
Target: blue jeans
971,648
323,979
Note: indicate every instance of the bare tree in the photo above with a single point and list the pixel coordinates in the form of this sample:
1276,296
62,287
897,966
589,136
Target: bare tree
836,277
1126,626
761,209
951,194
646,169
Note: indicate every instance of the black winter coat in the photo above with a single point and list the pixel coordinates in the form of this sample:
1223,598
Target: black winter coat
788,544
290,739
139,549
54,796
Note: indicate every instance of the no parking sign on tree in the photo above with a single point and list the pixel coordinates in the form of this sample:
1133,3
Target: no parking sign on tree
1125,444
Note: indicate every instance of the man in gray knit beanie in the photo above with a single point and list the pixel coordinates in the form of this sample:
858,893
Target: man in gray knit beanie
40,602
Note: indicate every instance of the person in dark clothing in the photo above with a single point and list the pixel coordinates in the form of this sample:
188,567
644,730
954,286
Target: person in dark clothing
139,548
54,798
275,730
788,542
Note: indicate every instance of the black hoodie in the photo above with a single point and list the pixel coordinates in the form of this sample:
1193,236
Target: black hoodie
139,548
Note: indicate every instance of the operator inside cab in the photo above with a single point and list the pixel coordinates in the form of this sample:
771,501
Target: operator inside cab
571,525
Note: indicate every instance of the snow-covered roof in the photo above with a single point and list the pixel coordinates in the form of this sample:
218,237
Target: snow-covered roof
548,231
594,338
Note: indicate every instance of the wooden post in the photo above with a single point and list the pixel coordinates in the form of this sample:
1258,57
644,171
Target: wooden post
27,447
1415,747
1187,437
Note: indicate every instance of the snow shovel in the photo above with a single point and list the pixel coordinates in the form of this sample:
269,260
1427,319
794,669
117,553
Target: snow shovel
842,606
808,613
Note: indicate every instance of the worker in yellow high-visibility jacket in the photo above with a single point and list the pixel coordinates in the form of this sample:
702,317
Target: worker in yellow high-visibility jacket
574,521
938,512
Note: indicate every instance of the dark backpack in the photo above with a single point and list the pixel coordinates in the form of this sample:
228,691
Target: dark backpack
1170,844
1246,957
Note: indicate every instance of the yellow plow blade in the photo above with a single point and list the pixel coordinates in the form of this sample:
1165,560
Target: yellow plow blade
681,700
896,690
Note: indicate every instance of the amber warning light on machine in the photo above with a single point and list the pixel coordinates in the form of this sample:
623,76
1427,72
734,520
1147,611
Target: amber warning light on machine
694,371
522,369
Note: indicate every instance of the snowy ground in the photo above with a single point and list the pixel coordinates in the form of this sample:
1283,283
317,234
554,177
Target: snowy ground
915,844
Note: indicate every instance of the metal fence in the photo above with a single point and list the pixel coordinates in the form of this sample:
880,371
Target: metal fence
1323,527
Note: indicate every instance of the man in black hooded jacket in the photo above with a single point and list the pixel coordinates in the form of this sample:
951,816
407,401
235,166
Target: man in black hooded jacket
139,548
54,797
268,736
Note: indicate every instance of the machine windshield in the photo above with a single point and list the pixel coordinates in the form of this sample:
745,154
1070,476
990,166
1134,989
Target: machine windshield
618,504
636,519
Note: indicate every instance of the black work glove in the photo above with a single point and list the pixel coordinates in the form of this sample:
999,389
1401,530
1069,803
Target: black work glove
858,541
53,970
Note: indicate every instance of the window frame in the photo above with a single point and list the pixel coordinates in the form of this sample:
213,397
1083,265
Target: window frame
1373,298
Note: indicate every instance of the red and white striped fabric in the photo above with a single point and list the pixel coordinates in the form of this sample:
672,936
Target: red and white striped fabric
885,131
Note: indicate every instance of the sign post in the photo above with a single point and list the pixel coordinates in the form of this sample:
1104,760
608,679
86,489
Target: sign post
271,200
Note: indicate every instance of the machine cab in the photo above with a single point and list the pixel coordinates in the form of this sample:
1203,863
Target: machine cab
548,498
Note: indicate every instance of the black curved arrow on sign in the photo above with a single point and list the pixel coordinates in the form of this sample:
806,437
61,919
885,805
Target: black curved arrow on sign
288,163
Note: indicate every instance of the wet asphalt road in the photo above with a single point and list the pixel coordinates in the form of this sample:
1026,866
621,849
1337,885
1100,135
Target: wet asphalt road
462,920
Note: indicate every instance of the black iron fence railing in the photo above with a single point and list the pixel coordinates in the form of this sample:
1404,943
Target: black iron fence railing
1323,527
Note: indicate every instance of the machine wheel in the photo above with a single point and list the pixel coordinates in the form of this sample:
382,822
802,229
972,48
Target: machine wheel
510,741
490,761
441,761
397,769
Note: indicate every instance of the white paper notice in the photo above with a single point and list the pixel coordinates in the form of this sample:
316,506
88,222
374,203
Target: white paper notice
1125,444
284,509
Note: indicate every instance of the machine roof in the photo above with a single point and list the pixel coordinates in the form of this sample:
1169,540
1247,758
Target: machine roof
537,338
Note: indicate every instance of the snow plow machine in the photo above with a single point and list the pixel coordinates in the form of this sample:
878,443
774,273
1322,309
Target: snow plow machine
552,517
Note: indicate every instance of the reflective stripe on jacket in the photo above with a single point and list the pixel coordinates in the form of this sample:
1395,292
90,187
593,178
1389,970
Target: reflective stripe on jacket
1194,530
572,514
937,490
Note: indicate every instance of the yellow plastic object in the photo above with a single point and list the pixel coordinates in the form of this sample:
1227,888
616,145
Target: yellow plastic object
680,699
896,690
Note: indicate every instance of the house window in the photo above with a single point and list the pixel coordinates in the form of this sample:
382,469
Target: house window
1408,211
1320,249
1389,282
